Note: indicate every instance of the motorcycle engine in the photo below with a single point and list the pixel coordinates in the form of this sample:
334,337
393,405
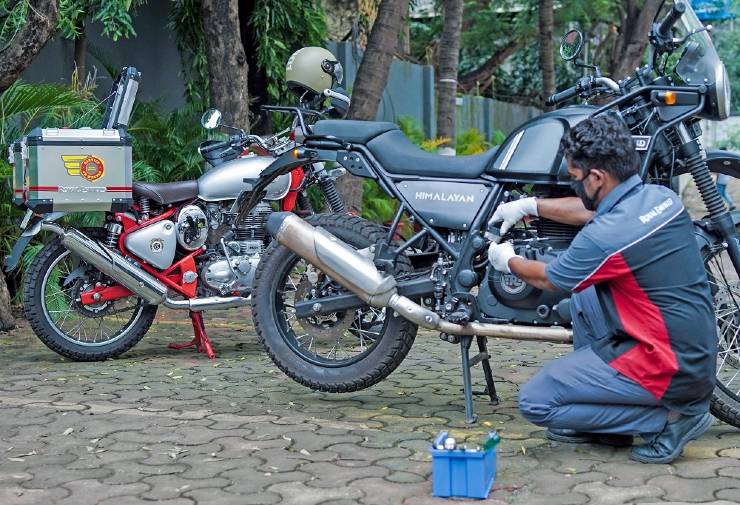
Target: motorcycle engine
506,297
232,269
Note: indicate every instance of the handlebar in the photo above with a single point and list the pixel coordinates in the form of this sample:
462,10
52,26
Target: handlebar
216,146
564,95
678,10
586,87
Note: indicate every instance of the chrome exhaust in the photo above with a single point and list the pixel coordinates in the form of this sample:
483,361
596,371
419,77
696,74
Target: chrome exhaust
114,265
357,273
111,263
209,303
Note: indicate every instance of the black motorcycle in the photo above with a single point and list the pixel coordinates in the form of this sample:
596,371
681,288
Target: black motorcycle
339,300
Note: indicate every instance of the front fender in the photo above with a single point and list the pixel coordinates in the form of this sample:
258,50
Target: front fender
720,162
31,230
704,234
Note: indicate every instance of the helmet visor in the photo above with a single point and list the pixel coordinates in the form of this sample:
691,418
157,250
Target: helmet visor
338,72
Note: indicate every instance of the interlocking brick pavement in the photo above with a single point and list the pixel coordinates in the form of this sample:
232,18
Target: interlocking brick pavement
174,428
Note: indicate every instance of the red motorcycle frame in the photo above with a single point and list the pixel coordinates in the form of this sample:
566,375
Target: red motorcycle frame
173,276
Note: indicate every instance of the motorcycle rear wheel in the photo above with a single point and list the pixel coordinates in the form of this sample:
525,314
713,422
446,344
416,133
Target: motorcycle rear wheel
51,292
346,351
724,281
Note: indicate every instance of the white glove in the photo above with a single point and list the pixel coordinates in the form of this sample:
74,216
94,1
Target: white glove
500,254
513,212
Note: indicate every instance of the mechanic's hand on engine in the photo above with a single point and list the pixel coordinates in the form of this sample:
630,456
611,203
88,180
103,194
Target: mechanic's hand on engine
513,212
500,254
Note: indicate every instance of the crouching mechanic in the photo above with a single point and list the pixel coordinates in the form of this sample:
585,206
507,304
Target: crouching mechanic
643,324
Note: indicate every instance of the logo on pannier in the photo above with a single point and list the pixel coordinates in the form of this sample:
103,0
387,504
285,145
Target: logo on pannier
88,167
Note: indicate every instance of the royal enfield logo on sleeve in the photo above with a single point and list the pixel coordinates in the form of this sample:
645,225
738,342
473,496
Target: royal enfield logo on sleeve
656,211
87,167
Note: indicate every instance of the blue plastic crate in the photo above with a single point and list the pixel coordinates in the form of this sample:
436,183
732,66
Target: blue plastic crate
463,474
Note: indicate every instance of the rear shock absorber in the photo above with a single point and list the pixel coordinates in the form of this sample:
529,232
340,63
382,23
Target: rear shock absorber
329,188
114,231
304,204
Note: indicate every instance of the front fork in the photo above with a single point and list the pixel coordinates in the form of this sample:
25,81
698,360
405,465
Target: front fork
719,214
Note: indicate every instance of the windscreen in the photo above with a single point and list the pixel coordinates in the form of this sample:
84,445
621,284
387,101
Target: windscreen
699,61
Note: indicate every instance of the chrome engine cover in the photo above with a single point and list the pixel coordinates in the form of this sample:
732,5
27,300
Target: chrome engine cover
155,244
192,227
218,275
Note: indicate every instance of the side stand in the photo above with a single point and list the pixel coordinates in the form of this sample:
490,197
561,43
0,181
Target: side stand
468,363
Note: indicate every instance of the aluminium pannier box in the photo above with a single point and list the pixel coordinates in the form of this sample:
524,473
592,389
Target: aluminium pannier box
73,170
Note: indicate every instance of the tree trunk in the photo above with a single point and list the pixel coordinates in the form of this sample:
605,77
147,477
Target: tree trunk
81,55
483,75
7,321
30,39
404,41
547,59
372,76
449,55
227,61
632,38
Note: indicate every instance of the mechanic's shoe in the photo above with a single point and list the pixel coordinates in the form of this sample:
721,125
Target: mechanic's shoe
569,436
669,443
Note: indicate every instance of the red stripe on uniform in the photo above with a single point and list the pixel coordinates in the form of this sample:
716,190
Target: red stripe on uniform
651,363
43,188
118,188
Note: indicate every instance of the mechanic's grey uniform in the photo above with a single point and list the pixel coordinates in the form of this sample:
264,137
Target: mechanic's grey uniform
643,322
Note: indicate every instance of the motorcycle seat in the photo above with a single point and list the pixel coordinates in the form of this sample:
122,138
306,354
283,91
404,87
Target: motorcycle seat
166,192
398,155
354,132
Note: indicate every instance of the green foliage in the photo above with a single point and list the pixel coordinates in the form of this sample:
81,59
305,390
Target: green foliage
24,105
280,29
727,41
13,16
471,142
165,148
185,21
732,142
114,15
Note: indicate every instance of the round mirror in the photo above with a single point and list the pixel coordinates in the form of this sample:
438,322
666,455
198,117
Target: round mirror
571,45
211,119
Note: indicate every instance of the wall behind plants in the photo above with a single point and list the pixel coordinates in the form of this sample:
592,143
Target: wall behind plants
411,93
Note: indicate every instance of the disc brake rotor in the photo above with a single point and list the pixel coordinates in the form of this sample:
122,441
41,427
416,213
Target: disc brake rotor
330,326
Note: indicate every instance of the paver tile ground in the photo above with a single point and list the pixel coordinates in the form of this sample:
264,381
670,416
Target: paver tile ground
172,427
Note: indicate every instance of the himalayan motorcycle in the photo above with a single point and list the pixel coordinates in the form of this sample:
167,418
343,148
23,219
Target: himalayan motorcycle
92,294
339,300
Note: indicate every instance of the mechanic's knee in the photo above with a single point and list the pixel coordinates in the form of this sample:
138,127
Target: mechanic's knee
535,402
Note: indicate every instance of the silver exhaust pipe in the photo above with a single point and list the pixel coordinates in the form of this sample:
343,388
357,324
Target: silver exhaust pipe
111,263
209,303
114,265
358,274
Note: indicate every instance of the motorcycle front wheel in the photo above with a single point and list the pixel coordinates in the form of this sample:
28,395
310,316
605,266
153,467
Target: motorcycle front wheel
724,283
51,298
344,351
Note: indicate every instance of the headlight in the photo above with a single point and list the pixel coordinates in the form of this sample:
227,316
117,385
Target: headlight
724,94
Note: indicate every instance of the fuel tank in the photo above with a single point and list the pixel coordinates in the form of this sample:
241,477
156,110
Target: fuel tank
530,153
226,181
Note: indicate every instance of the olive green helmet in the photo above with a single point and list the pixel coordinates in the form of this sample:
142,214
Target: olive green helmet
312,70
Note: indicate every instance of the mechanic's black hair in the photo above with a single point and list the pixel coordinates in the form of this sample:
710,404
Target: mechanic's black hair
602,142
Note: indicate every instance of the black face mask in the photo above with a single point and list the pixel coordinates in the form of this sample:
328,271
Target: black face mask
588,201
